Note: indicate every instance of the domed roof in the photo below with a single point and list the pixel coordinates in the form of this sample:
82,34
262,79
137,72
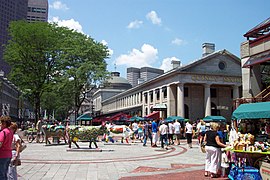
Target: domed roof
115,81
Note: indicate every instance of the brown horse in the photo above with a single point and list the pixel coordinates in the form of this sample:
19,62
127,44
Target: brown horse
55,132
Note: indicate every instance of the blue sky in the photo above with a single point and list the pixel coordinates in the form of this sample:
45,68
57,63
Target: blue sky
151,33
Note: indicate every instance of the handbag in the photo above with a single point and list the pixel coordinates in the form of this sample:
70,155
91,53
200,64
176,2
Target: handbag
203,148
23,147
17,162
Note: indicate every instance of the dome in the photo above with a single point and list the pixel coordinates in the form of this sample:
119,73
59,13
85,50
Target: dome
118,82
116,79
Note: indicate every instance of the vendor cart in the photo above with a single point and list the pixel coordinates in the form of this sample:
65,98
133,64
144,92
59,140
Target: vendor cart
256,117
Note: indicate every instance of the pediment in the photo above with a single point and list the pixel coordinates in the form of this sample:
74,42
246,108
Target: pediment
220,62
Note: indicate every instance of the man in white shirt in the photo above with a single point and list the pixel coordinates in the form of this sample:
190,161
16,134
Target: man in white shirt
171,131
135,129
189,134
163,134
177,131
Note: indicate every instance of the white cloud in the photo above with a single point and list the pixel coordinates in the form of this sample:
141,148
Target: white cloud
139,58
177,41
153,17
135,24
166,63
58,5
106,44
71,24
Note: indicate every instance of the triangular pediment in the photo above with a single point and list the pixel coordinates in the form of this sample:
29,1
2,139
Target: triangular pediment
220,62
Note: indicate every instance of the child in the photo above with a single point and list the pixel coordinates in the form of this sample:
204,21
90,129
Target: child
224,163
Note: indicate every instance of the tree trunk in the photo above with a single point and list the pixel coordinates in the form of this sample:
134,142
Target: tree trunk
37,108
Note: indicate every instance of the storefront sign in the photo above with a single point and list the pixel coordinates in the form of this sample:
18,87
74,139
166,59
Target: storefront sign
215,78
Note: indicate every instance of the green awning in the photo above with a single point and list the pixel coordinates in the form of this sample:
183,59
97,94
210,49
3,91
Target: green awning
173,118
214,119
84,117
252,111
136,118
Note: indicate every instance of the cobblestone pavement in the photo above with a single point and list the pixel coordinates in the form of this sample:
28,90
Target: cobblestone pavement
110,162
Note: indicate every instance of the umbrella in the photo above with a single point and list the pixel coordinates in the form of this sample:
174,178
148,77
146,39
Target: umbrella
173,118
136,118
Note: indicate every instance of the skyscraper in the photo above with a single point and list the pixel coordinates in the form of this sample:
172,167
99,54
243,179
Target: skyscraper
37,10
10,10
136,76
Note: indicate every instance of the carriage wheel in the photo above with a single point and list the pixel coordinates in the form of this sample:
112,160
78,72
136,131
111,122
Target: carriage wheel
30,138
41,138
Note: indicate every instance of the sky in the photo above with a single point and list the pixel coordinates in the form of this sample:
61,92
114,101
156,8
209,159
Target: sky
151,33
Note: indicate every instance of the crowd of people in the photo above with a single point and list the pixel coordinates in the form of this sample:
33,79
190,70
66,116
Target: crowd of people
157,132
10,144
213,136
165,132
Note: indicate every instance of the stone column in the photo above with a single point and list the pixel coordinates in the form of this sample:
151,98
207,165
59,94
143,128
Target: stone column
143,105
148,102
168,100
207,100
154,97
180,100
160,95
235,92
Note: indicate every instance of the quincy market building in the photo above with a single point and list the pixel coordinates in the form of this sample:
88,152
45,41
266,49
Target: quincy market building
204,87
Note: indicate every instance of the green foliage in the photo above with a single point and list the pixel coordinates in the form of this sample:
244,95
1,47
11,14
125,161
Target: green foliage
54,65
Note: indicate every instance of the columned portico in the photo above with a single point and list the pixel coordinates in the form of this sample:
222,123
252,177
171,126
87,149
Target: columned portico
207,100
180,100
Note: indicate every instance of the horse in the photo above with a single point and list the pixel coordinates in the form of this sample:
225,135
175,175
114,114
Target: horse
85,133
54,131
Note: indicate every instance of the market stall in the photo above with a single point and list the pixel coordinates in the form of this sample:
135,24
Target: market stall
249,137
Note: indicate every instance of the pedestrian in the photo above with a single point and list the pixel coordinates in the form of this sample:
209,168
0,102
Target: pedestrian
155,133
140,131
213,150
201,131
164,134
135,129
16,144
6,136
171,132
189,134
177,131
147,130
39,130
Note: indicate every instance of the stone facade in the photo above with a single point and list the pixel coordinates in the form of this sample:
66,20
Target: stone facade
204,87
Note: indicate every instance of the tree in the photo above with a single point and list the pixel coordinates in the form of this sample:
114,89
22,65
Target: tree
43,55
83,63
32,53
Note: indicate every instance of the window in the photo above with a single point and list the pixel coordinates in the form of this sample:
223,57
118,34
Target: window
151,96
157,94
222,65
164,90
213,92
185,91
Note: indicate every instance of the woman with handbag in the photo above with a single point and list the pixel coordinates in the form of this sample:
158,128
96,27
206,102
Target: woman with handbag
15,161
213,150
